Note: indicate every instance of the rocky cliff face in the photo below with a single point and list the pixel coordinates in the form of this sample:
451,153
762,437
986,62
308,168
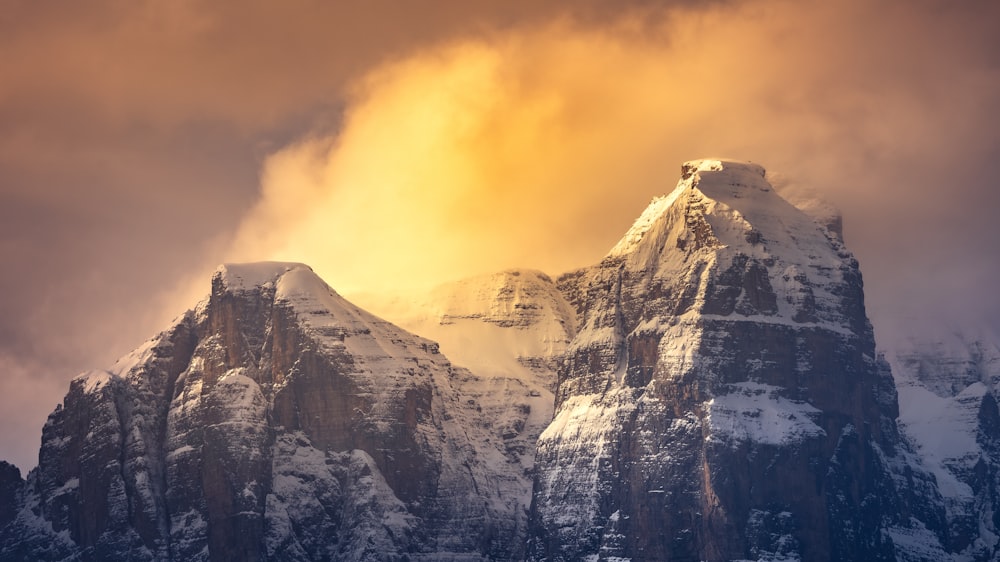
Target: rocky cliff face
275,421
10,492
722,399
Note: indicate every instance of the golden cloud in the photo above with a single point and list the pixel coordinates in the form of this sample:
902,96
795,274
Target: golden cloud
537,146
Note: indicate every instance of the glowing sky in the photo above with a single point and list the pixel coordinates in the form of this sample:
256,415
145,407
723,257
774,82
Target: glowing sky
396,144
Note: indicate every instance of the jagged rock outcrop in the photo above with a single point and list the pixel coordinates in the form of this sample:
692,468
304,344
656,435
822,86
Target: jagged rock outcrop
276,421
722,399
11,486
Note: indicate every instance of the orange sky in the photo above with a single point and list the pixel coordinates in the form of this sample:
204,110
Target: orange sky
142,143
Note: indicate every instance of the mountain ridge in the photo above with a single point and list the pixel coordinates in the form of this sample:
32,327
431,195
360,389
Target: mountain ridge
709,390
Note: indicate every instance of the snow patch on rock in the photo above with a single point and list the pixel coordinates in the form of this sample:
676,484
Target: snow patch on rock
92,381
756,412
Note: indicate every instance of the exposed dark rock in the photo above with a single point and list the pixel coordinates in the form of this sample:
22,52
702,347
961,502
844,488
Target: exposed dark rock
11,490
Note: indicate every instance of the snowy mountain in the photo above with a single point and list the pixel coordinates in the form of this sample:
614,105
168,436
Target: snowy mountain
709,391
722,399
274,421
511,329
512,324
949,388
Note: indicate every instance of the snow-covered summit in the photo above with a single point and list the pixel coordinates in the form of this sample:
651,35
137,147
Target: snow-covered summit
724,214
743,174
244,276
721,164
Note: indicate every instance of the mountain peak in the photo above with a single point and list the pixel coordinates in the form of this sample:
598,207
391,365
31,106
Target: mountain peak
715,178
247,276
724,216
692,167
724,376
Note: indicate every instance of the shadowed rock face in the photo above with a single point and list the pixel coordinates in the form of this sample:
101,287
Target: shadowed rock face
276,421
10,492
722,399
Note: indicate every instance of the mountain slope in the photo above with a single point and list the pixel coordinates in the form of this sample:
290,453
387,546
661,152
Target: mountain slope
511,329
722,399
949,388
275,421
484,322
